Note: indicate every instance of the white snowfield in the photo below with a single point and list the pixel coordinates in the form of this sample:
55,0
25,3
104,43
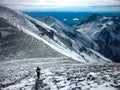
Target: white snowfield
56,39
58,74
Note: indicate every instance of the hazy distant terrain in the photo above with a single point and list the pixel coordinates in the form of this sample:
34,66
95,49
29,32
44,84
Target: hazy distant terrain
69,18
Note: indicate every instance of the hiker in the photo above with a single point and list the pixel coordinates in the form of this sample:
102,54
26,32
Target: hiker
38,72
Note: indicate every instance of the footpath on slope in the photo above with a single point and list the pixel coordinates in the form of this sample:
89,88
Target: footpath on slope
58,74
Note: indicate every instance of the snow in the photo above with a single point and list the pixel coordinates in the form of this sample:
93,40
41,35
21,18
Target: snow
29,81
104,32
65,43
103,87
56,24
4,34
57,74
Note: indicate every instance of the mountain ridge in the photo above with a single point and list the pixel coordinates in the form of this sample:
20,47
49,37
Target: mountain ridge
51,37
105,32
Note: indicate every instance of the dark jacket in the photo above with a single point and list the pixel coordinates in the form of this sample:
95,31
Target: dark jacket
38,69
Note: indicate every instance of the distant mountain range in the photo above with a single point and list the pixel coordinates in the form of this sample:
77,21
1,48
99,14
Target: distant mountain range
105,32
48,35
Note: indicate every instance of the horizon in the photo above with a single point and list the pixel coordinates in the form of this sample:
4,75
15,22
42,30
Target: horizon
70,18
70,11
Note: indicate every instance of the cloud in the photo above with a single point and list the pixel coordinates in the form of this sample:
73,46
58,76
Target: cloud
47,4
75,19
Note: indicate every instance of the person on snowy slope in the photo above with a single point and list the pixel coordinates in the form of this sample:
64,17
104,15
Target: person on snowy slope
38,72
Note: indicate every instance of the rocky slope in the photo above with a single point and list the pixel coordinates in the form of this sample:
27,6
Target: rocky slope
15,44
105,31
65,44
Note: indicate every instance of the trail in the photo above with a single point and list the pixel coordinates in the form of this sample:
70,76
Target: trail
40,85
21,73
58,74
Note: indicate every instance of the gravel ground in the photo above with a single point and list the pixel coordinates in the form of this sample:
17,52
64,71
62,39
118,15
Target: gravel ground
58,74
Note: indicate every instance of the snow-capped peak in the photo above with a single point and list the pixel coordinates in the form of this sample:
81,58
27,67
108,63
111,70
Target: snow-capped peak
105,32
64,44
57,25
93,17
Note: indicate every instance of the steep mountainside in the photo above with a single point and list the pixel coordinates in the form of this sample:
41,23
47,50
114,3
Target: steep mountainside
45,33
15,44
68,31
105,31
57,25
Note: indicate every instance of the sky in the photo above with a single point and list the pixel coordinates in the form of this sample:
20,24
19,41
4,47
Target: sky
63,5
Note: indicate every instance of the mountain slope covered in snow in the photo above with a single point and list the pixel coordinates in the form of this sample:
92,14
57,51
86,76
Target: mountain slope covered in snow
15,44
68,31
57,25
105,31
64,44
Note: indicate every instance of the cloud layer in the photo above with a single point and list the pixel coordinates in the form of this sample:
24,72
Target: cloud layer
55,4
